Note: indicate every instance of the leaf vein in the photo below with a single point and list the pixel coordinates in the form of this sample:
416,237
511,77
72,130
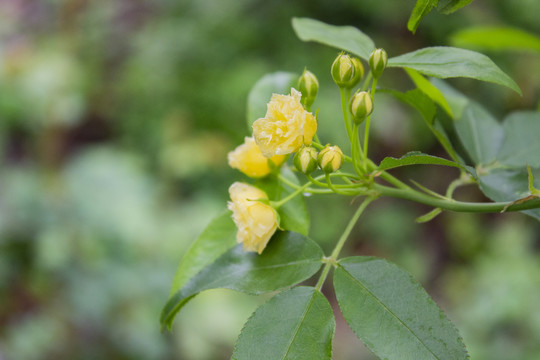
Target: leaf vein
390,312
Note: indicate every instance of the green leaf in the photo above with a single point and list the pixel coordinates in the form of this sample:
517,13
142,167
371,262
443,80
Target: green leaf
449,62
479,132
346,38
392,314
456,100
294,214
418,158
417,99
421,9
496,38
421,102
296,324
274,83
430,90
218,237
532,189
450,6
521,144
508,185
288,259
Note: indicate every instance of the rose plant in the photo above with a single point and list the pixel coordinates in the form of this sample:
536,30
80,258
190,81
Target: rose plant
262,243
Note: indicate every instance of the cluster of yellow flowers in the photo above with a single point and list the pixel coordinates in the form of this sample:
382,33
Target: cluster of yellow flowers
286,127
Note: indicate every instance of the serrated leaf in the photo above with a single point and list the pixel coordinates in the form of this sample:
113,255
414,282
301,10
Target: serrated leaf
496,38
346,38
508,185
296,324
218,237
288,259
274,83
421,9
449,62
418,158
450,6
294,214
392,314
430,90
521,143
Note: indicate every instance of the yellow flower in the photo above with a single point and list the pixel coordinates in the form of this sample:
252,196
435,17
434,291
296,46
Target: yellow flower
248,159
286,127
256,221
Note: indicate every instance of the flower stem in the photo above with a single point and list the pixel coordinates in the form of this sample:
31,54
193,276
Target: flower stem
357,155
277,204
307,189
368,120
344,94
335,253
366,81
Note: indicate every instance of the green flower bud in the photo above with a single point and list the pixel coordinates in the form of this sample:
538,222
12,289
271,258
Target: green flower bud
347,71
358,70
377,62
361,106
308,85
330,158
305,160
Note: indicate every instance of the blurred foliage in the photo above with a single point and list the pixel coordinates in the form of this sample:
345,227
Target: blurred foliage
115,121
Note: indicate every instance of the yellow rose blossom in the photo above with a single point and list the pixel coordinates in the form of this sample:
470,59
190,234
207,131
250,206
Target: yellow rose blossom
256,221
248,159
286,127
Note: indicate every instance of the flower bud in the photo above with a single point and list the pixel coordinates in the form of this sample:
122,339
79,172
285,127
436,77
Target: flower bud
377,62
361,106
358,70
308,85
305,160
330,158
347,71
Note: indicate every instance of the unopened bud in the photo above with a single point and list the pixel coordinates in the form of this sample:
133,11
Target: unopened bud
308,85
305,160
358,70
361,106
377,62
330,158
347,71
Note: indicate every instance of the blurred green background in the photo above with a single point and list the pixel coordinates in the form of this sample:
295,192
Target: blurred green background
115,121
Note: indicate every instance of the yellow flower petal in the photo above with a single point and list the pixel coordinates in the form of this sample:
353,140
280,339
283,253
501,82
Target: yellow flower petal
248,159
256,221
286,127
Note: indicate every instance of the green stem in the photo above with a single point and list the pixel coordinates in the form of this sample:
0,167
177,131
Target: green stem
386,176
356,151
278,204
368,120
343,96
453,205
463,180
335,253
366,81
337,188
308,190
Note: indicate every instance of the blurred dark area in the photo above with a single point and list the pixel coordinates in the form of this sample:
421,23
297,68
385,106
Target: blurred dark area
115,121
